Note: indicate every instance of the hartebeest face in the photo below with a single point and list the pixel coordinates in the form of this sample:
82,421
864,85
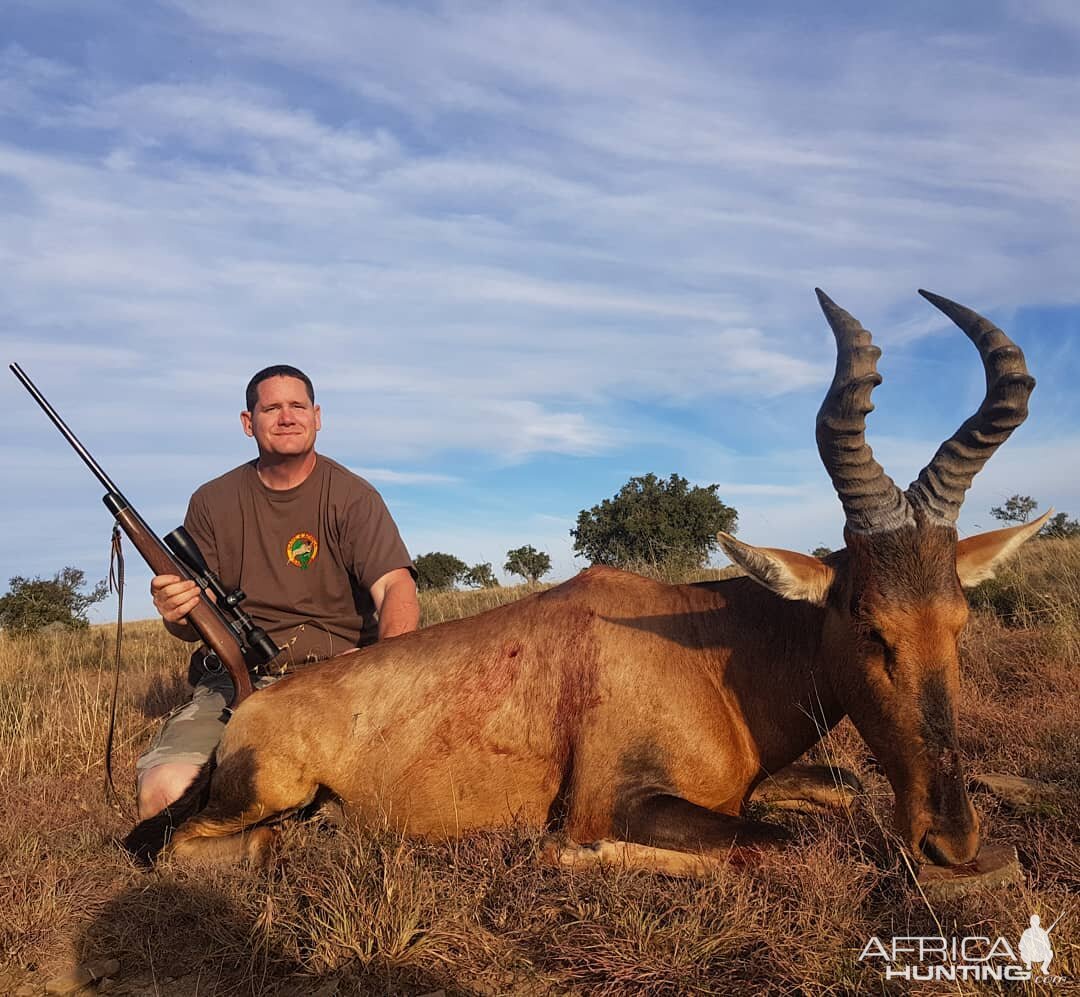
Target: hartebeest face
897,609
893,598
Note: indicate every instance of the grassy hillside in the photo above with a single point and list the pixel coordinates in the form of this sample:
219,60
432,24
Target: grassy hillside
371,913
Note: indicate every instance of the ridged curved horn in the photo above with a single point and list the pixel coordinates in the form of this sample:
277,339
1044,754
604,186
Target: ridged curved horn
939,489
870,499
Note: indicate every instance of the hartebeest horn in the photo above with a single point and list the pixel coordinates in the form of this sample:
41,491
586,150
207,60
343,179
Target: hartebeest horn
939,489
871,500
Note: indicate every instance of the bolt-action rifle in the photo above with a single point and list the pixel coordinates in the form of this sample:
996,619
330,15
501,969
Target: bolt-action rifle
227,630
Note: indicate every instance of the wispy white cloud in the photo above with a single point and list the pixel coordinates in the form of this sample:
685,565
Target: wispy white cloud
495,233
380,475
243,122
758,489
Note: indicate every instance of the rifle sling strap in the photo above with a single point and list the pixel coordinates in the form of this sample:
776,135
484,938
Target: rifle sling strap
116,584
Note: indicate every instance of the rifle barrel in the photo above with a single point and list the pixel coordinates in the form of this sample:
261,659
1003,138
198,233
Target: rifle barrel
212,623
67,433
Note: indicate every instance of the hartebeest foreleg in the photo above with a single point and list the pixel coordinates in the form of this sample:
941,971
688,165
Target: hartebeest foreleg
808,788
671,835
664,821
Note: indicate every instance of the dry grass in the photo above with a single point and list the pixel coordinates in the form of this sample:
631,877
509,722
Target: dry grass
369,913
438,607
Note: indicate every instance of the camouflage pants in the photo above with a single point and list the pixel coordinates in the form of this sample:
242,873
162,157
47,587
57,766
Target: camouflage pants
192,731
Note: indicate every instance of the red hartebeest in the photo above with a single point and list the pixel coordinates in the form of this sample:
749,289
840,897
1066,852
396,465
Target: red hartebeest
615,707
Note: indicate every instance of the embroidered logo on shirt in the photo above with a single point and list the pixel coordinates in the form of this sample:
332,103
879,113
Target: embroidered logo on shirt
301,550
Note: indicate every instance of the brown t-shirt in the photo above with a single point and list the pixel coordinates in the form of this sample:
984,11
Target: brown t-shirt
306,557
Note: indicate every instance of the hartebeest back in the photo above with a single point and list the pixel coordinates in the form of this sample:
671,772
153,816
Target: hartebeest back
616,707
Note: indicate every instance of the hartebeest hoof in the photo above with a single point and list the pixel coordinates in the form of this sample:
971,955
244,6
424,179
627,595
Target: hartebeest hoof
809,788
331,812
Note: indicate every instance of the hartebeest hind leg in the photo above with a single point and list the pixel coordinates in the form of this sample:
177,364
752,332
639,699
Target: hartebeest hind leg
249,791
253,846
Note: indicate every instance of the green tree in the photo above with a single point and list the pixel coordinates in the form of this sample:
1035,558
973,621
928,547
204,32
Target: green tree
1060,526
821,551
1017,509
481,576
32,603
654,521
527,561
438,571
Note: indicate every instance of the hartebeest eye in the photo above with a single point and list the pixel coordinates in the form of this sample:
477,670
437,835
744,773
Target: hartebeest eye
874,637
876,640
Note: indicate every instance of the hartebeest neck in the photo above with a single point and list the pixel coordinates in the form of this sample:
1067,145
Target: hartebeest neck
774,666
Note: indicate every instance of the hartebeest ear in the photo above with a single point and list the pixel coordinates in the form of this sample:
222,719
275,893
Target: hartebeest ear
788,574
977,557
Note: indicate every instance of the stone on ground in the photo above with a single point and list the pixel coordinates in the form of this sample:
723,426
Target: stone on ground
89,972
1015,790
994,866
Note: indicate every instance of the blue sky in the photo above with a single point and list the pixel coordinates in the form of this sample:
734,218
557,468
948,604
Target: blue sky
525,251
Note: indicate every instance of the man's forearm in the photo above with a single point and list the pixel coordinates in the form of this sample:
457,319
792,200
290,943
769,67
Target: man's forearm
400,611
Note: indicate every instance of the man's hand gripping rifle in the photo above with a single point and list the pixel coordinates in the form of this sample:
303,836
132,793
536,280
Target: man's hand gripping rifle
227,630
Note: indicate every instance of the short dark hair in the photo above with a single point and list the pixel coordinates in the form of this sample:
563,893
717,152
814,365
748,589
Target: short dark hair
251,395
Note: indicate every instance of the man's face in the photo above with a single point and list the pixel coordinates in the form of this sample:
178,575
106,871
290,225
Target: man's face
284,421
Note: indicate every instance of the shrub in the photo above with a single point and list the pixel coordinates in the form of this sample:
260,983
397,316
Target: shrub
438,571
528,562
481,576
33,603
653,521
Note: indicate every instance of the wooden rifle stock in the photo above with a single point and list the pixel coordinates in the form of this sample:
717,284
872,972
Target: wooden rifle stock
205,618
